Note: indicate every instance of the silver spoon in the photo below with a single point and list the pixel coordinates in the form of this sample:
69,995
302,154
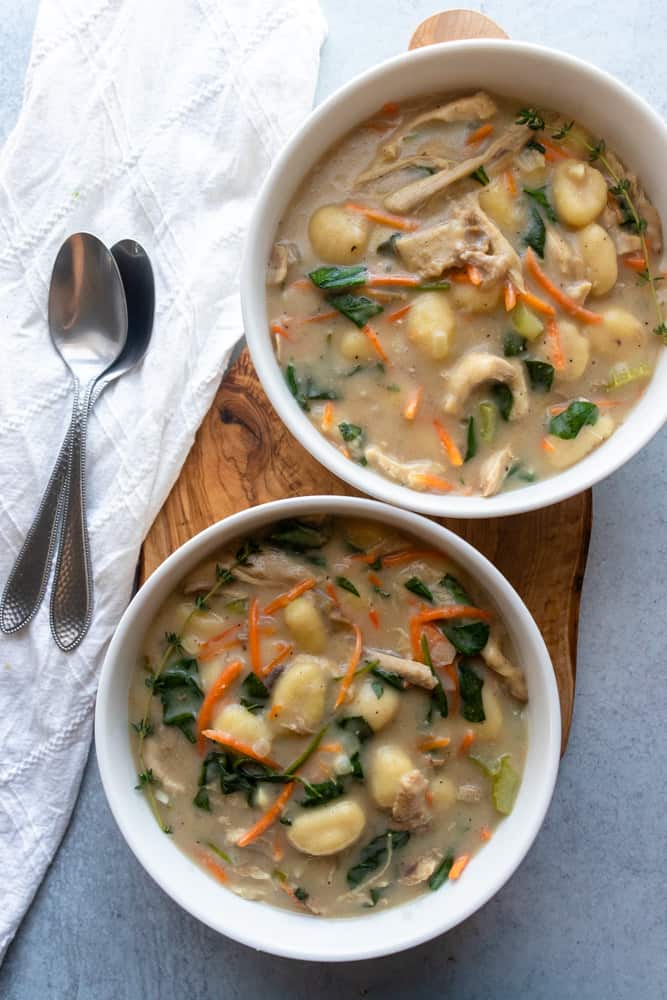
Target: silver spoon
88,325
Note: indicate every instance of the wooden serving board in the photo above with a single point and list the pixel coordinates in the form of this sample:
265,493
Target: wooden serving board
243,456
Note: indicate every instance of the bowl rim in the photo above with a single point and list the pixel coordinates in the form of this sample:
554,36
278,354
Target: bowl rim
562,485
391,930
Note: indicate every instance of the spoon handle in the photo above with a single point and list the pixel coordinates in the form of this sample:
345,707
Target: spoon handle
72,591
27,582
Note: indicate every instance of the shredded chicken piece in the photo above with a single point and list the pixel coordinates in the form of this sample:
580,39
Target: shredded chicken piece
407,473
413,672
378,170
578,291
160,754
469,793
278,263
270,566
475,368
420,870
496,157
561,257
410,807
475,107
252,871
642,205
529,160
494,470
496,660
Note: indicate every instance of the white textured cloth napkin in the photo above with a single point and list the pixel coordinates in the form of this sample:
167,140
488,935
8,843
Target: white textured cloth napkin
141,119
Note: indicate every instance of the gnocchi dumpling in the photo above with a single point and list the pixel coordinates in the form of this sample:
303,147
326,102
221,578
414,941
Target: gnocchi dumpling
493,721
501,206
430,324
327,829
355,346
387,766
377,712
579,193
300,693
306,624
338,236
237,721
618,332
443,793
598,252
575,348
474,298
566,453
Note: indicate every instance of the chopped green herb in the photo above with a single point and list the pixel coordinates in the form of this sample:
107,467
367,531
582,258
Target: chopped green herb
390,678
438,698
531,118
345,584
540,374
418,587
514,344
519,471
339,277
145,778
563,130
503,398
393,387
221,854
299,535
254,692
534,144
354,371
357,308
539,195
536,233
180,695
567,425
471,440
470,688
300,894
480,175
458,592
306,390
201,800
357,725
374,896
350,432
467,639
144,728
378,689
441,874
374,855
285,820
357,769
320,792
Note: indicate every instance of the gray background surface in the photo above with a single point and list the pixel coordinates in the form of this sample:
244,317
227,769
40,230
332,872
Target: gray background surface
586,914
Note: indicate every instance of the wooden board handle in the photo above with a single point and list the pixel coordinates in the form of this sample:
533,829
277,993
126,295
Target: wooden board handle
453,25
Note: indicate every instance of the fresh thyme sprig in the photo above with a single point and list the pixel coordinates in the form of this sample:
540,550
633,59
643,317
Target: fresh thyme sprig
173,644
531,118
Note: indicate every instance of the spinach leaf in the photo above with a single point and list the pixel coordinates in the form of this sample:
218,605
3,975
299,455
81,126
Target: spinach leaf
456,589
306,390
300,535
539,195
254,693
503,398
301,894
180,695
467,639
471,440
388,247
470,688
418,587
378,689
374,855
536,233
438,698
514,344
519,471
345,584
357,725
339,277
350,432
357,308
318,793
567,425
201,800
374,896
440,875
393,680
357,769
541,375
480,175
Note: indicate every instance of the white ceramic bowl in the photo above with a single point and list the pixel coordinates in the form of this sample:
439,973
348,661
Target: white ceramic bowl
265,927
531,74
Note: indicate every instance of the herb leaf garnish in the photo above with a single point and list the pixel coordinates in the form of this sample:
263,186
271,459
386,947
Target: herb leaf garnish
374,855
567,425
339,277
503,398
418,587
514,344
357,308
468,639
470,687
531,118
480,175
540,374
536,233
539,195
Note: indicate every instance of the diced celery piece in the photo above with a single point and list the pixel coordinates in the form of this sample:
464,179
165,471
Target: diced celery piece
526,322
623,374
505,787
490,765
488,421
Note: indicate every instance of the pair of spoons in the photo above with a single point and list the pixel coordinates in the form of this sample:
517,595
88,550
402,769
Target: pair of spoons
101,307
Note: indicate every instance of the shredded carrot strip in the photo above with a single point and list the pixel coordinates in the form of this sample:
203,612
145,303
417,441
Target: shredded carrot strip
433,482
393,317
275,711
351,667
400,280
230,741
390,108
415,638
253,636
481,133
217,643
451,450
553,334
510,183
428,796
510,296
460,277
568,304
280,330
212,867
375,580
457,869
282,600
485,833
410,411
374,617
635,263
284,650
539,305
331,591
331,747
375,341
383,218
366,557
217,689
318,317
467,741
433,743
408,555
277,851
269,817
327,417
547,445
454,611
302,283
554,153
474,275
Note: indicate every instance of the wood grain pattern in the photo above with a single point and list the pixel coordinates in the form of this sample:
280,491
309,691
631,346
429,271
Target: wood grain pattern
243,456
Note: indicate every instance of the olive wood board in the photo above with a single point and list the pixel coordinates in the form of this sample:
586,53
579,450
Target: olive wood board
243,456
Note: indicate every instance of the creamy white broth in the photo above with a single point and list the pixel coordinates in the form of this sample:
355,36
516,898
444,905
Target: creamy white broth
406,779
455,388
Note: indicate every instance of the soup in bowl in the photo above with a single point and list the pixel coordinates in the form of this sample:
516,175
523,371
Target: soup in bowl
336,710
